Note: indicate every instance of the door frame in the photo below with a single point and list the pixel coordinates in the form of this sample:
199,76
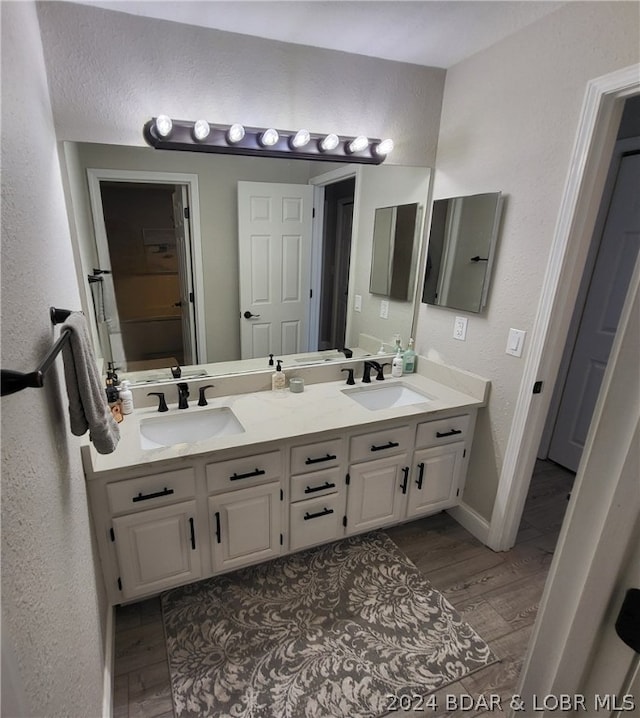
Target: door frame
190,181
588,168
317,238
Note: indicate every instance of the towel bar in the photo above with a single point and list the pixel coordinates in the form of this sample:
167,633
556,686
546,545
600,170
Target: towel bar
13,381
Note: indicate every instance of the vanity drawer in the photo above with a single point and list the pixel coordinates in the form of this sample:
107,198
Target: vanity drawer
243,471
318,483
381,443
311,457
442,431
150,491
316,521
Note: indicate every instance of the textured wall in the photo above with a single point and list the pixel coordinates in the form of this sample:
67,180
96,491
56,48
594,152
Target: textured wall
52,605
110,72
509,119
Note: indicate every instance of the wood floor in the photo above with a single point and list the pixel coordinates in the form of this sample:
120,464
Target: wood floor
497,593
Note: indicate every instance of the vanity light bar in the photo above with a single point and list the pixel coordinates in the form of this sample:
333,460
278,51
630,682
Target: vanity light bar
164,133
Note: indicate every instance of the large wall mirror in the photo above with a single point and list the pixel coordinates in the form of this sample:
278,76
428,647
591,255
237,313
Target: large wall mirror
462,244
163,229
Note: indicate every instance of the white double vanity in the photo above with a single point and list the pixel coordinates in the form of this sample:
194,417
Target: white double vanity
196,492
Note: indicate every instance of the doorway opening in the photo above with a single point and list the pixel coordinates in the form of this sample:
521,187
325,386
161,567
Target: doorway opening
145,303
336,261
614,247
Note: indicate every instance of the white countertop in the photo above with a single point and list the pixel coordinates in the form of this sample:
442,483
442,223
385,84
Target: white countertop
279,415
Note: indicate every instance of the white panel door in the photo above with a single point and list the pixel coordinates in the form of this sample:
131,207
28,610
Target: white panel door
607,291
274,238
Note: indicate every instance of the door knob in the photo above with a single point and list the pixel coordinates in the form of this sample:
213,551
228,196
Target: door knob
249,315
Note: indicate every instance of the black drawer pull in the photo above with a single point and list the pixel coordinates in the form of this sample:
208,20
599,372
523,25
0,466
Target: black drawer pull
328,457
405,481
420,475
193,534
251,474
324,512
146,497
390,445
326,485
453,432
218,526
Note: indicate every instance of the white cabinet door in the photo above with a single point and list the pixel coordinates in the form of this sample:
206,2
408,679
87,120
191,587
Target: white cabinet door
246,526
376,493
436,479
157,549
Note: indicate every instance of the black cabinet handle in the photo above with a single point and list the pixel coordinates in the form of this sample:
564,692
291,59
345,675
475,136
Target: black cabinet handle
324,512
326,485
390,445
420,475
453,432
157,494
328,457
251,474
193,534
217,514
478,258
405,481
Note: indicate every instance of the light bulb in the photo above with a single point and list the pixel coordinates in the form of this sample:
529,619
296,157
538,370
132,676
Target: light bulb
163,125
384,148
235,134
329,143
300,139
269,137
360,143
201,130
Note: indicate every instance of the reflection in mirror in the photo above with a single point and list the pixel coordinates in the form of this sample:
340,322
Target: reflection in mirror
208,242
392,264
461,250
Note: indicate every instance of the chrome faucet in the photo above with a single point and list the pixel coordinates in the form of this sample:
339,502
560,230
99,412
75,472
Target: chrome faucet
183,395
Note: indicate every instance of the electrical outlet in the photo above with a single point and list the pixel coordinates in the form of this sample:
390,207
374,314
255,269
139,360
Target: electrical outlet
460,329
384,309
358,303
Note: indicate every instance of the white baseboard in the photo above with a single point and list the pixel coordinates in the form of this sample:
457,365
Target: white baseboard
107,684
471,520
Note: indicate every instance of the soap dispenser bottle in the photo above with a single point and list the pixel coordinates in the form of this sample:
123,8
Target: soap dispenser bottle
396,364
409,359
278,378
126,396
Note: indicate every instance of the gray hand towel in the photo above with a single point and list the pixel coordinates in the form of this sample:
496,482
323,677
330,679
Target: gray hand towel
88,407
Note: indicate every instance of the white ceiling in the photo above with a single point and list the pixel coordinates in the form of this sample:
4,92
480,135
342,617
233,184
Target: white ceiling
436,33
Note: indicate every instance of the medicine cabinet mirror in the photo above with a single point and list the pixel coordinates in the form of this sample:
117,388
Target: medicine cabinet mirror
392,262
462,243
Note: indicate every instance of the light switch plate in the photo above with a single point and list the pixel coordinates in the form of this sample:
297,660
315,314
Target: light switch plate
384,309
358,303
515,342
460,329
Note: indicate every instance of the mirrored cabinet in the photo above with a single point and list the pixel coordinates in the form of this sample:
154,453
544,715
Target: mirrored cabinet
462,244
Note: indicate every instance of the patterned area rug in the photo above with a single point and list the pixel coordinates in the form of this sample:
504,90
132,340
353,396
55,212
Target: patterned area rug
332,632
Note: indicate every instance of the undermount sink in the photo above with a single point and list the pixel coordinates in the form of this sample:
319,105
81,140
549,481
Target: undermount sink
386,396
188,427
